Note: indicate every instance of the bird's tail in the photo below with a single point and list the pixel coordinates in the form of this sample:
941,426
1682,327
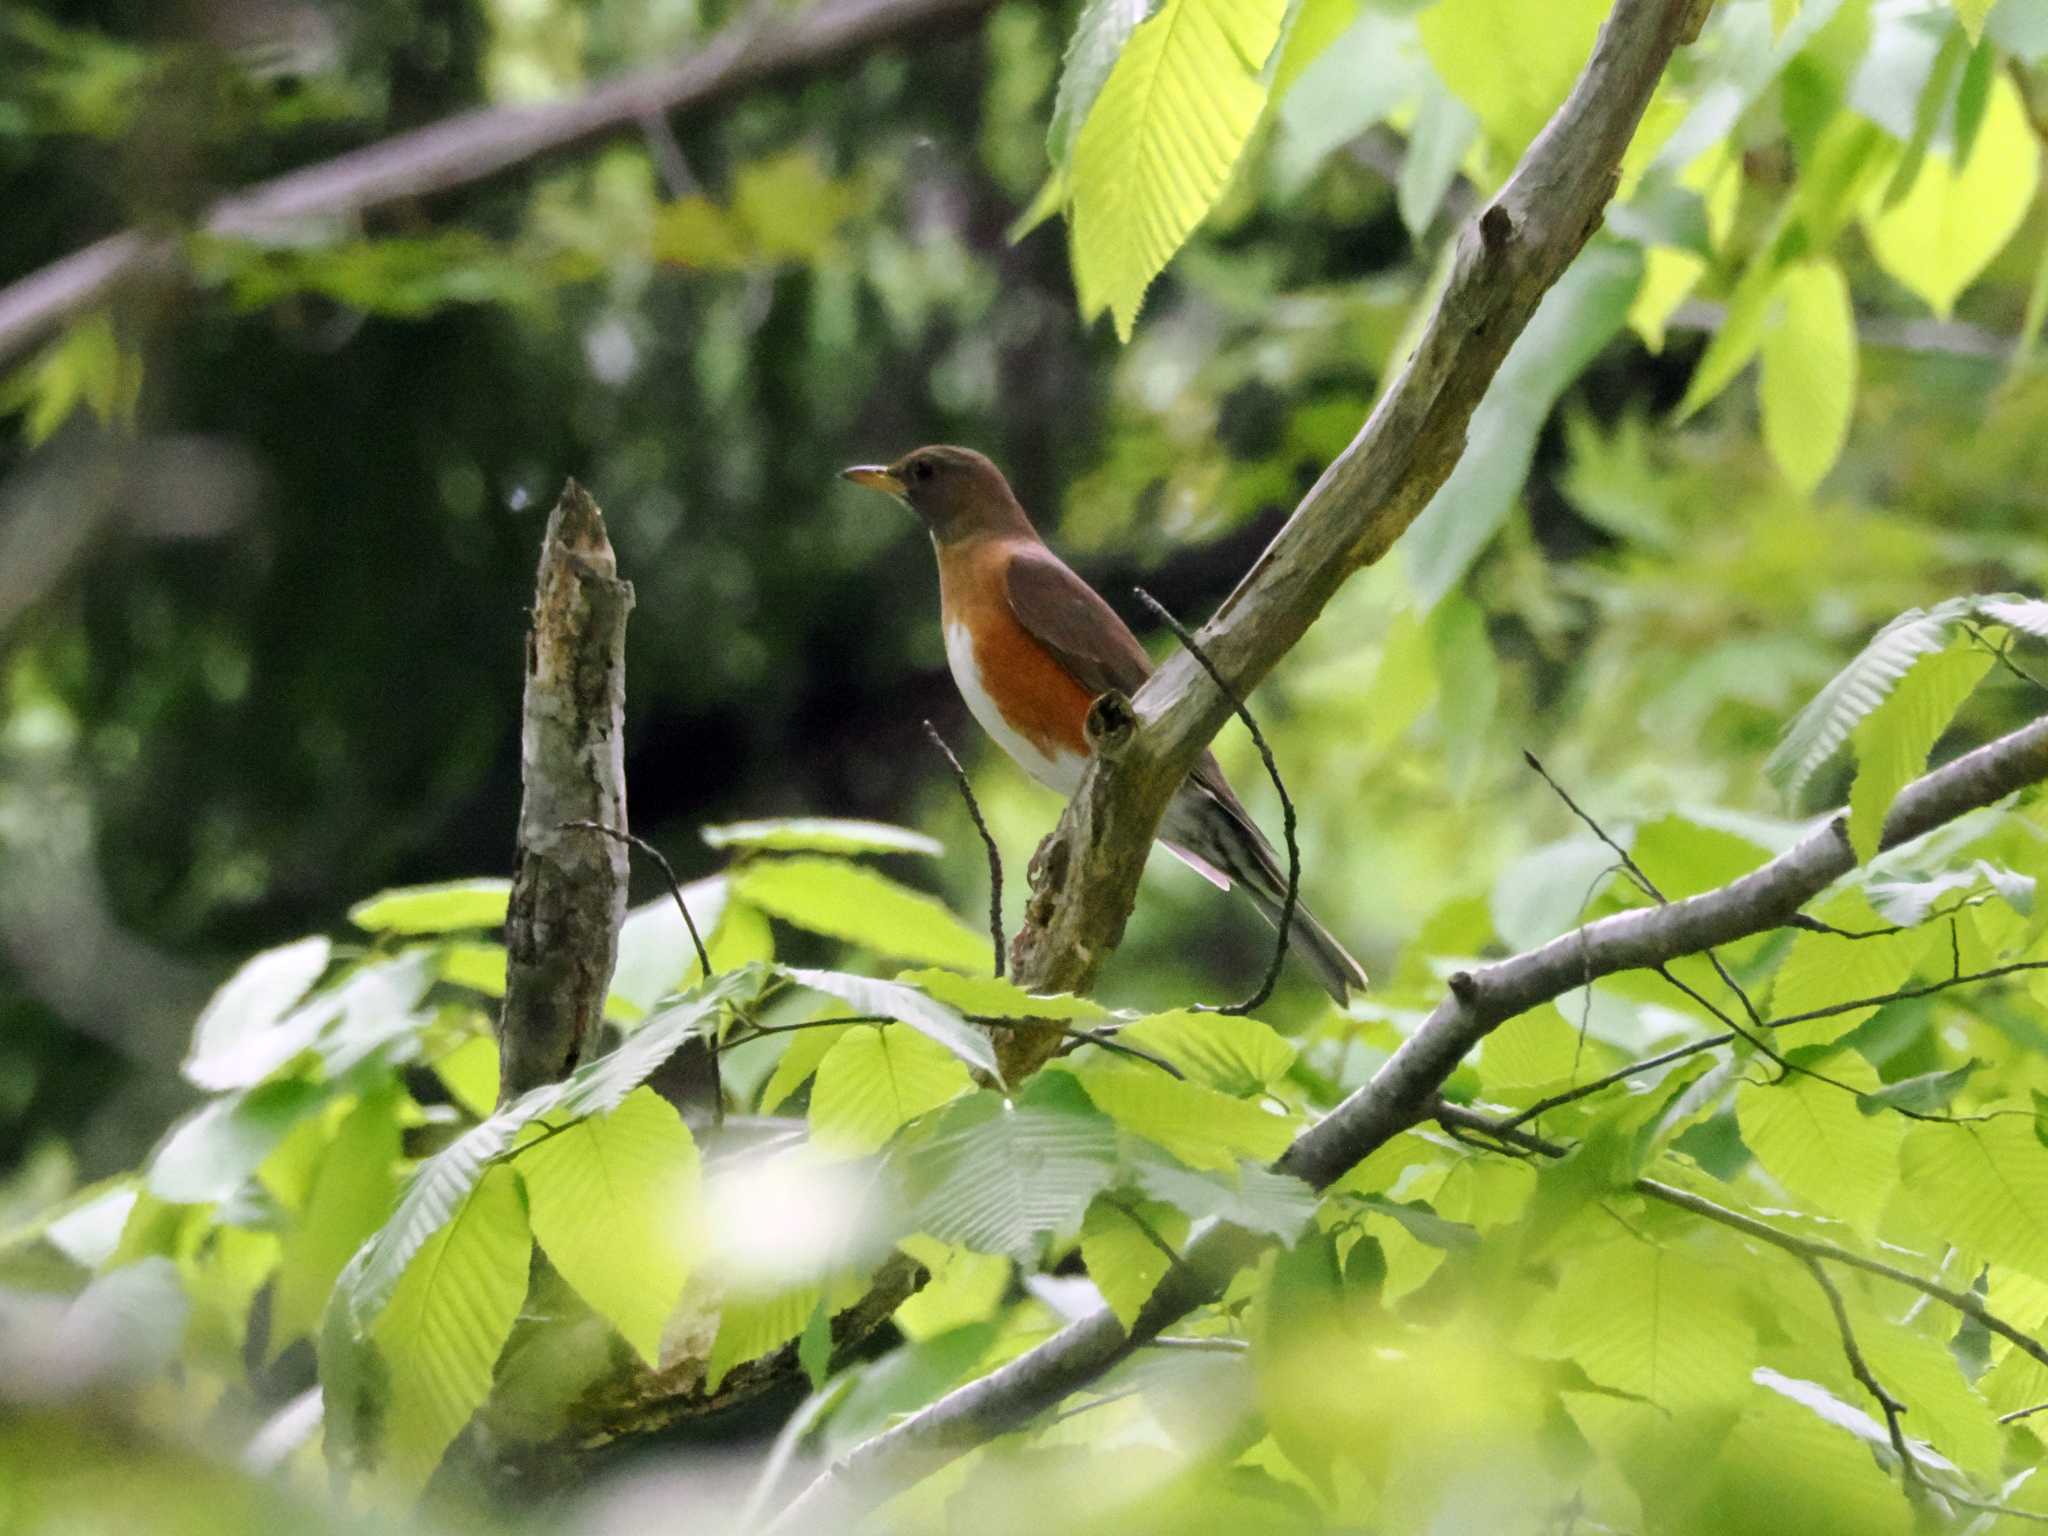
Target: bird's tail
1208,827
1334,965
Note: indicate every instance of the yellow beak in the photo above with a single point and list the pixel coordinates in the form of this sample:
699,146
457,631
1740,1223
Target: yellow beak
875,477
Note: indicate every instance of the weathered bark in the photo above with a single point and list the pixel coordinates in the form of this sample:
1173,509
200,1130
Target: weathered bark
568,883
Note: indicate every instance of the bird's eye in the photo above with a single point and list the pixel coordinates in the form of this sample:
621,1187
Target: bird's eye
921,470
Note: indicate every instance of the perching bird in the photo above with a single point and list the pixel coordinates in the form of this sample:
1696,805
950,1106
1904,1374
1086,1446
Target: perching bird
1032,646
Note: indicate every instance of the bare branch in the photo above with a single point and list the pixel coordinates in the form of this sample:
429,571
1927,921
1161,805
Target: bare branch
1404,1091
568,891
988,841
1506,261
473,145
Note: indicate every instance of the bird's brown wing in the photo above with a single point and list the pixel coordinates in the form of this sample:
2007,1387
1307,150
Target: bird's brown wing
1063,613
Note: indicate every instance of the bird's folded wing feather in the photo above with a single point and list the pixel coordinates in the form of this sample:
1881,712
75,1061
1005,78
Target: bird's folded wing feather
1064,614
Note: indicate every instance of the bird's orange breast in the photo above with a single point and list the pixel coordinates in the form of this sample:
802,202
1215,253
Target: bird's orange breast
1039,698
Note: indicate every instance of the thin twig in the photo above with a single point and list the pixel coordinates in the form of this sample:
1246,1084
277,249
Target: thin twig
1859,1367
2001,655
1200,1346
1287,827
2022,1413
1110,1042
1073,1032
988,841
1905,993
668,872
1619,1075
1151,1233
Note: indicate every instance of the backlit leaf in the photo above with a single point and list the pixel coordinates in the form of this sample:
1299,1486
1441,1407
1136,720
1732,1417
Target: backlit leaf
873,1081
1984,1185
1807,386
1893,740
861,906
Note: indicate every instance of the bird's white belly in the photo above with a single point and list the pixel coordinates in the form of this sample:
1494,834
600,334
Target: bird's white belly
1056,771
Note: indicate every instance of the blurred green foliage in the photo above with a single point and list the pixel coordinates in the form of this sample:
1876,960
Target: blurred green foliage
266,537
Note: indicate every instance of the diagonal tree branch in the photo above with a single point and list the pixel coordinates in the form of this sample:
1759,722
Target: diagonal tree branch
1507,259
473,145
1401,1093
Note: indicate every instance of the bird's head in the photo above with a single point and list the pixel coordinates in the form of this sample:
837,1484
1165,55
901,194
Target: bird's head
957,492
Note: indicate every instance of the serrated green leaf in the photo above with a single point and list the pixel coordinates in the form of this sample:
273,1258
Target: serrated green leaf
814,1349
935,1020
448,1318
965,1287
1946,230
252,1001
1237,1056
1161,140
1893,740
1100,32
351,1195
820,834
1984,1186
1646,1320
1807,386
861,906
1818,731
616,1203
1821,970
1815,1139
998,1177
2029,615
451,907
873,1081
1203,1128
1124,1261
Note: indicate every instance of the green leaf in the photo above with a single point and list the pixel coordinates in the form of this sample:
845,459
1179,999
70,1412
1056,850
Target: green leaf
814,1349
1972,14
1250,1196
1161,141
820,834
1984,1186
453,907
861,906
1807,386
1945,231
965,1287
1929,1093
1237,1056
441,1184
1510,62
1893,740
799,1061
1819,730
1122,1258
751,1326
254,999
929,1017
1201,1127
656,956
617,1205
1444,130
1577,318
1100,32
1422,1223
351,1195
1819,1143
448,1319
999,1177
875,1081
1823,969
1646,1320
2028,615
1737,338
1003,999
214,1150
470,1074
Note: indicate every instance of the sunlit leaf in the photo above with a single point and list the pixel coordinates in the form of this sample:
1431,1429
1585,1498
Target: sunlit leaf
254,999
448,908
819,834
1807,386
1161,140
616,1204
1510,63
889,1000
1237,1056
1946,230
214,1149
1893,740
874,1080
1121,1243
1201,1127
351,1195
447,1320
1815,1139
1984,1185
861,906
